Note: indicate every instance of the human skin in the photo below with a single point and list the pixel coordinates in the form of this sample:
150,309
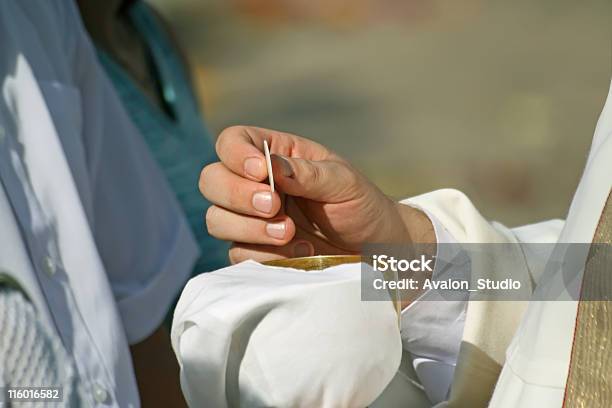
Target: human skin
325,206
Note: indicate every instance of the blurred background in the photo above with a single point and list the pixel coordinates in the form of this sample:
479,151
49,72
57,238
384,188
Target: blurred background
496,98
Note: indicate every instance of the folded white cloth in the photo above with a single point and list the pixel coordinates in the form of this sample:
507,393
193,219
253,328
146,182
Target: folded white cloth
256,336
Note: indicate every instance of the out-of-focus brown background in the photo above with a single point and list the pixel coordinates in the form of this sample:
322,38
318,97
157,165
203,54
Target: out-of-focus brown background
496,98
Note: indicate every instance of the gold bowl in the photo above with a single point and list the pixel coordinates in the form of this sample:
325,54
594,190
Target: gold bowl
315,263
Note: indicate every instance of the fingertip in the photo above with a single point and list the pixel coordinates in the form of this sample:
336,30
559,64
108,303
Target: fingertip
204,178
237,147
281,165
281,230
255,168
290,230
266,203
277,203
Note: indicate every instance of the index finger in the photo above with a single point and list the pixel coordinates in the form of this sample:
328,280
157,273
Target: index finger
240,149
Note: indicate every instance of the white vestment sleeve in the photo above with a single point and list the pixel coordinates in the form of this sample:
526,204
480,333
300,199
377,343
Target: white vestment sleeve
432,329
458,215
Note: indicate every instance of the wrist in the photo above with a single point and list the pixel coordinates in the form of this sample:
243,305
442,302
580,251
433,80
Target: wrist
417,225
420,230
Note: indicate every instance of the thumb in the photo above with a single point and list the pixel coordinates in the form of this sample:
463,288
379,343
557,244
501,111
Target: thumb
325,180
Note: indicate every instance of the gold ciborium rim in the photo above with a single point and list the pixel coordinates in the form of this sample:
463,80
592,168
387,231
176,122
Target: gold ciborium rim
314,263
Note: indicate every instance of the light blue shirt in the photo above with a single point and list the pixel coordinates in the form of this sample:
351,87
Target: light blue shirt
88,224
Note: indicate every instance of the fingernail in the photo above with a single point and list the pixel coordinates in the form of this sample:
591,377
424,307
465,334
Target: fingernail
276,230
282,164
262,201
302,249
254,167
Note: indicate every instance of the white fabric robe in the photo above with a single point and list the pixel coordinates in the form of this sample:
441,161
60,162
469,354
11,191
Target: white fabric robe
536,363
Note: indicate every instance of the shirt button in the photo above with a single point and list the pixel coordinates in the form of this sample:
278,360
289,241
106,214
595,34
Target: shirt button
49,266
99,393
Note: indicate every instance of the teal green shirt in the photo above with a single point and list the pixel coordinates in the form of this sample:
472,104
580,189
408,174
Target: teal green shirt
178,139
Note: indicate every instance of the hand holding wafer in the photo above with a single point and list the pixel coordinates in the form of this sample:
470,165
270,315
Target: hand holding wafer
330,208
